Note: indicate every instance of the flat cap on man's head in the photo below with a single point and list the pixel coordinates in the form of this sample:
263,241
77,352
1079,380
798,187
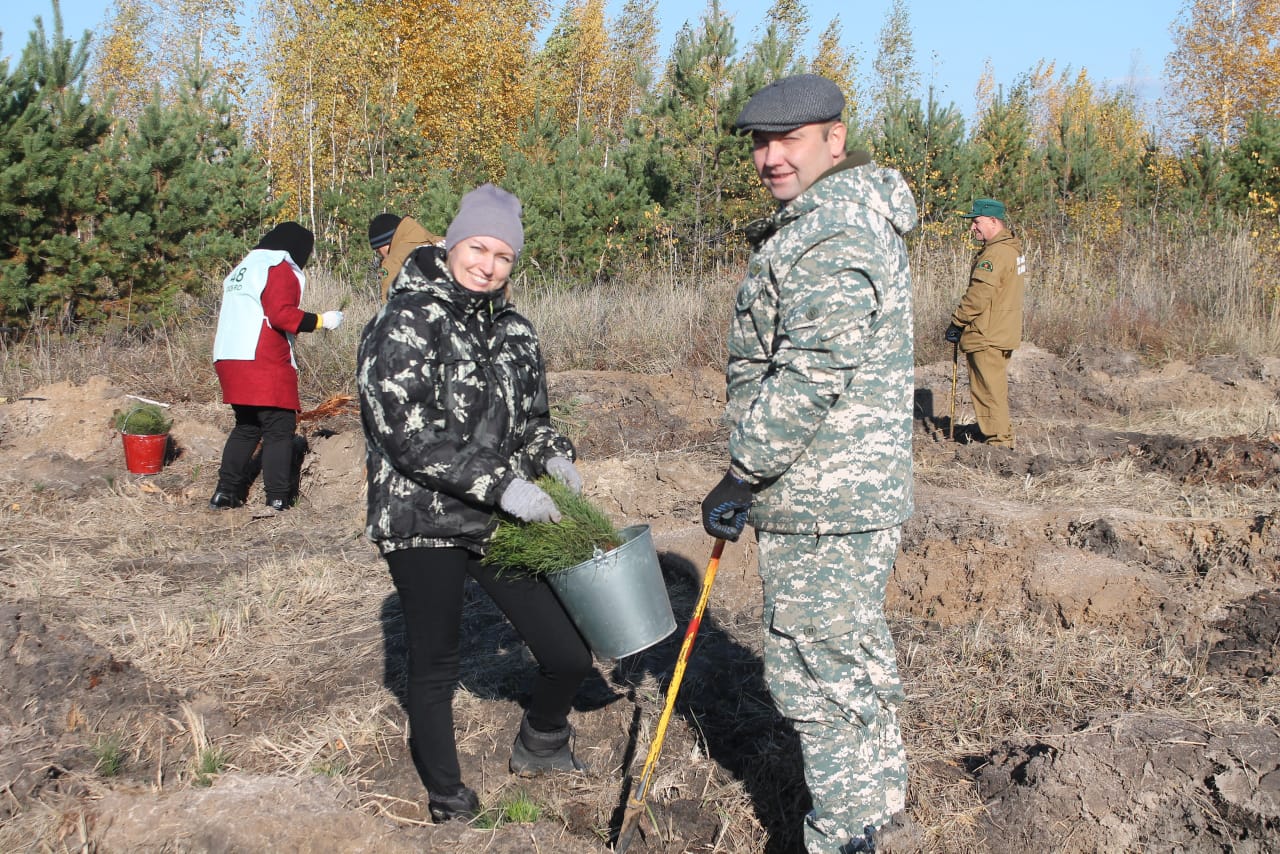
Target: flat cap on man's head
786,104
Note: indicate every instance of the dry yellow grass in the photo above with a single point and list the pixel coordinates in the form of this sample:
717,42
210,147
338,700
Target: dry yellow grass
1160,293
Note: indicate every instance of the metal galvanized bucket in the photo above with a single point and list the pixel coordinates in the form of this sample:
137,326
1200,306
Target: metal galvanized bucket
618,600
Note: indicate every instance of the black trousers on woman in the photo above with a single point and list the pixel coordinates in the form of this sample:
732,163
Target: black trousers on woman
430,583
275,428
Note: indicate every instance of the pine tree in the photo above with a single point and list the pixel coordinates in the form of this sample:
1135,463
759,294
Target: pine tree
695,167
1253,169
581,219
1205,181
186,196
47,181
1004,161
926,144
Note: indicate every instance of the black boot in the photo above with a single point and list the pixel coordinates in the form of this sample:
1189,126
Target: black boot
864,844
224,499
535,753
461,804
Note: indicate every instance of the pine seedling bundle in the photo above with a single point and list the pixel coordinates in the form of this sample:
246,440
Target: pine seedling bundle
147,419
546,547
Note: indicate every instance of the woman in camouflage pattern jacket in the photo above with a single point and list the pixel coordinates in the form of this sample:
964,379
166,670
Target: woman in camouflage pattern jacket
453,400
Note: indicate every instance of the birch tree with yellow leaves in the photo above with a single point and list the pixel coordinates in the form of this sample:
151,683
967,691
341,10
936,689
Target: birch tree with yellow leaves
591,74
123,65
836,63
341,73
1225,64
151,46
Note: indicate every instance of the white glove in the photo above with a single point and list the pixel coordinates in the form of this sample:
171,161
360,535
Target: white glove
331,320
563,470
528,503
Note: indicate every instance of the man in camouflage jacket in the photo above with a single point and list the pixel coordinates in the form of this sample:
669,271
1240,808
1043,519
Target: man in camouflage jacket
820,387
465,372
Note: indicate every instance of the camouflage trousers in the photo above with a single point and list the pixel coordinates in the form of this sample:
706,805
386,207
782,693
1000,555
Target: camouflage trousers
830,664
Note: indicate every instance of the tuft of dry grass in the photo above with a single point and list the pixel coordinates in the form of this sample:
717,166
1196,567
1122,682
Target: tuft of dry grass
1103,484
652,323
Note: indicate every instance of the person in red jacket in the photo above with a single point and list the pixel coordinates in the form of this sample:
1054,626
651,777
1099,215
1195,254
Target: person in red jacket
253,355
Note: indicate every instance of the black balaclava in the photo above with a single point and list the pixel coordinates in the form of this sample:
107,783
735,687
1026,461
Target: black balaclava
292,238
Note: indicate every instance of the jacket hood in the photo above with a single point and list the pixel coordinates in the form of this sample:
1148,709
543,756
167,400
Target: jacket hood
858,181
412,233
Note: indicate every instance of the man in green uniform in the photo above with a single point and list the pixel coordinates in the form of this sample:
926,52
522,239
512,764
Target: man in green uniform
820,380
987,325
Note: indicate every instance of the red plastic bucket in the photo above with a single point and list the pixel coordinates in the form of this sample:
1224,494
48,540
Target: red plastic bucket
144,454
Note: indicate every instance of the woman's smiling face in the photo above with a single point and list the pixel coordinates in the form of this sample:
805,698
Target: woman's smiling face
481,264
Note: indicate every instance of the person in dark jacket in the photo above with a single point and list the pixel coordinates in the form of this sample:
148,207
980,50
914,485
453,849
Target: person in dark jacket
453,401
253,355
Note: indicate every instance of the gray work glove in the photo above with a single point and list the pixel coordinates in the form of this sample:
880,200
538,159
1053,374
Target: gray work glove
564,471
528,503
330,320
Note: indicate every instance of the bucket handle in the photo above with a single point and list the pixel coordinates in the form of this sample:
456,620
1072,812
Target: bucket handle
124,425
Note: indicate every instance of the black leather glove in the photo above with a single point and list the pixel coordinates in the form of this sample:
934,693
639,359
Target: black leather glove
953,334
724,510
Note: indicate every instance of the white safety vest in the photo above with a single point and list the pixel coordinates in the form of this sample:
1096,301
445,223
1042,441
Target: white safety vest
240,317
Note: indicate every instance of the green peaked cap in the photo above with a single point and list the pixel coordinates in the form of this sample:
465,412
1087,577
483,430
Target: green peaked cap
986,207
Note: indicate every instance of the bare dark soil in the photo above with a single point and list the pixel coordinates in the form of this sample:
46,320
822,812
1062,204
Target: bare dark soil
1088,628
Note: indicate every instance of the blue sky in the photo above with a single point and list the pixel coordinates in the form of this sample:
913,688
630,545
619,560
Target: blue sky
1119,42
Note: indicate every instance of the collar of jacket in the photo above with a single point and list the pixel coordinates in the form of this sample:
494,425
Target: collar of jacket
999,237
760,230
432,263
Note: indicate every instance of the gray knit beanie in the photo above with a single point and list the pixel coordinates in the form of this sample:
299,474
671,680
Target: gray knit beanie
487,211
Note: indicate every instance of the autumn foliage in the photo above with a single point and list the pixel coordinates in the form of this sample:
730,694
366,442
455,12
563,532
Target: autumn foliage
335,111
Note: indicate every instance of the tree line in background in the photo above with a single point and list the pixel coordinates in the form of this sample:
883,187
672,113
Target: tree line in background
136,165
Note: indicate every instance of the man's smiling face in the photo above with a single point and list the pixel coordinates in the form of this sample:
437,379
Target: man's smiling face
788,162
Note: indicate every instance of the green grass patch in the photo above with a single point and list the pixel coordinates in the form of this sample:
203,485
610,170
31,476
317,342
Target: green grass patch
516,808
209,764
546,547
110,752
333,767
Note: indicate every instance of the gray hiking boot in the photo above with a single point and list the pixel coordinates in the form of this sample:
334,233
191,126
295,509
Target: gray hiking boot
535,753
